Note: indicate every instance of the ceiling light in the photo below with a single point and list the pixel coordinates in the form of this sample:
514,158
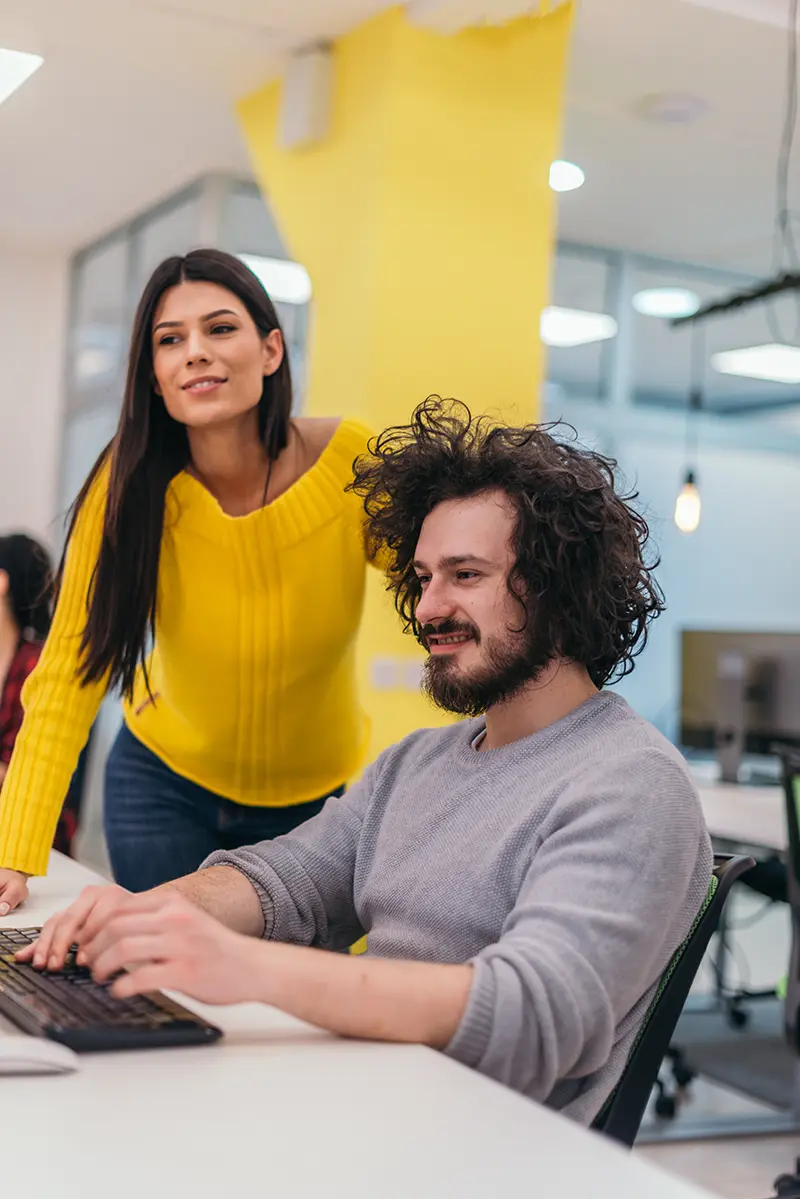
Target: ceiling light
285,282
15,68
671,108
567,327
566,176
666,302
774,363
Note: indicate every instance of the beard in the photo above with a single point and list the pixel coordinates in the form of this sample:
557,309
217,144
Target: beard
510,664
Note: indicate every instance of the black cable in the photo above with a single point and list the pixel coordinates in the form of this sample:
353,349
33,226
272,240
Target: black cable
785,255
753,919
694,401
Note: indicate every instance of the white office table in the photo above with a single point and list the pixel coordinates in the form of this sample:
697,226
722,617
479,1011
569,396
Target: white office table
745,815
283,1110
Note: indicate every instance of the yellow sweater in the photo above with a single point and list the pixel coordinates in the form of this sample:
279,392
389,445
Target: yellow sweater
253,668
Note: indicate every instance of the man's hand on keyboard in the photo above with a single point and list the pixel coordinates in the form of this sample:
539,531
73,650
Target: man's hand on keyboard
77,924
163,942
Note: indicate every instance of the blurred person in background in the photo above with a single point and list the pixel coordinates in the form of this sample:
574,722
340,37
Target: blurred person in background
25,593
26,577
214,575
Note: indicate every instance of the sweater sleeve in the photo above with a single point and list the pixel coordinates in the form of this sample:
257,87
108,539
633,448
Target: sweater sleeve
305,879
59,711
597,919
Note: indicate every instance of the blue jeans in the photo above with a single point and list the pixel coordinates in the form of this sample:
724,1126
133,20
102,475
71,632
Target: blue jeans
160,826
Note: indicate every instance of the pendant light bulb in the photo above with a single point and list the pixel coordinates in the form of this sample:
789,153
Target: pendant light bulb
687,505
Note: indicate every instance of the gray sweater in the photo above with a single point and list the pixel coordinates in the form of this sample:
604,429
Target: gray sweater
566,867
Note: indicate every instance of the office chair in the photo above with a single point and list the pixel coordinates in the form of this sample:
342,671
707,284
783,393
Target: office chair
622,1114
788,1185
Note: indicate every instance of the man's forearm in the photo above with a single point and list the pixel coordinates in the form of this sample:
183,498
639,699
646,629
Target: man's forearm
362,997
3,772
225,894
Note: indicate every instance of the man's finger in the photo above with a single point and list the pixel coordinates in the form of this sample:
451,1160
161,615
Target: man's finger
117,901
122,925
131,951
157,976
61,931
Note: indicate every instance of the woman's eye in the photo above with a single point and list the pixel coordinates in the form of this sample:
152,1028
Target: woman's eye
224,329
168,339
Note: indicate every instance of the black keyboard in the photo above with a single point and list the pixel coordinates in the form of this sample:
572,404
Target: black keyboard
68,1006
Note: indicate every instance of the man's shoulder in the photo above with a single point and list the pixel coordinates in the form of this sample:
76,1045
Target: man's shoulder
637,742
633,764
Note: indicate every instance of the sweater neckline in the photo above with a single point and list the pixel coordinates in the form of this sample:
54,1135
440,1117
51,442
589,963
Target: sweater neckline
475,730
292,493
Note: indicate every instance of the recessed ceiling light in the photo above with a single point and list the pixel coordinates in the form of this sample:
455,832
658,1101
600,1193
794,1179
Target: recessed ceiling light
285,282
566,176
774,363
568,327
672,108
15,68
666,302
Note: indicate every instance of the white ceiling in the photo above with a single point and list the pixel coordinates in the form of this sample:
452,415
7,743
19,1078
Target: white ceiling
136,97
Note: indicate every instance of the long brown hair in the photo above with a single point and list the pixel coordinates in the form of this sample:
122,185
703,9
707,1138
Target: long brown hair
147,451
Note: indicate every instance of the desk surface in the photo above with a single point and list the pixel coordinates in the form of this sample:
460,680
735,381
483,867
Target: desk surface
747,815
282,1109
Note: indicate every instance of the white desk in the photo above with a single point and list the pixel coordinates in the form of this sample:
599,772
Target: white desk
747,815
283,1110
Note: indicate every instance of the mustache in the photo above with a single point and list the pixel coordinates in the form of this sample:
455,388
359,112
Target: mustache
448,628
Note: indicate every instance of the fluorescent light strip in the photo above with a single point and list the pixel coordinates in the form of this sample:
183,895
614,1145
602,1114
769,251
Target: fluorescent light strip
773,363
569,327
285,282
15,68
666,302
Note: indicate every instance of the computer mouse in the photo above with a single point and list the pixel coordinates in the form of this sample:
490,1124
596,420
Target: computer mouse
35,1055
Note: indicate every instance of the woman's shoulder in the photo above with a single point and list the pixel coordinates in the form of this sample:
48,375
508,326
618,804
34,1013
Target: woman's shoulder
340,437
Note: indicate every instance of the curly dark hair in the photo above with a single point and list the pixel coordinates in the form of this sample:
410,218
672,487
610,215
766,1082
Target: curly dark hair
580,547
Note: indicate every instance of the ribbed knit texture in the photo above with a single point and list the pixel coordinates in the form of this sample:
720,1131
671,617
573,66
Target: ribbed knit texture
567,867
253,670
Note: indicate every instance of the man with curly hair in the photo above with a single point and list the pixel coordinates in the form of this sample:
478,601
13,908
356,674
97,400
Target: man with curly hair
523,876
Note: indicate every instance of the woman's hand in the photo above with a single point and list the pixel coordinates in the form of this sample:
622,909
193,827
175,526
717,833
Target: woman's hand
13,890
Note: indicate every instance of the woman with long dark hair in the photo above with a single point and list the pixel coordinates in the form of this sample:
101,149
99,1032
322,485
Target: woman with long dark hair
214,575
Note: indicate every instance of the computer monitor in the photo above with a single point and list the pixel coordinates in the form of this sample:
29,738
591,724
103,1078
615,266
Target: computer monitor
740,693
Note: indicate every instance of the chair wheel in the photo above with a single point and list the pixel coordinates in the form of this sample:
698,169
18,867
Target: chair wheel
665,1107
683,1076
738,1018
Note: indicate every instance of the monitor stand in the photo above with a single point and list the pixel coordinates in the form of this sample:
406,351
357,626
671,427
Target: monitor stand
729,731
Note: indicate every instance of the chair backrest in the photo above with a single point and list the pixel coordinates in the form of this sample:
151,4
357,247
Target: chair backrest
622,1114
790,770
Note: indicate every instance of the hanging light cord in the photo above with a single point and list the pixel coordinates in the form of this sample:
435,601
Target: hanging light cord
785,255
695,404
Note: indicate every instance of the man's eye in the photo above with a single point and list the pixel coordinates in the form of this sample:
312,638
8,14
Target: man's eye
467,574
